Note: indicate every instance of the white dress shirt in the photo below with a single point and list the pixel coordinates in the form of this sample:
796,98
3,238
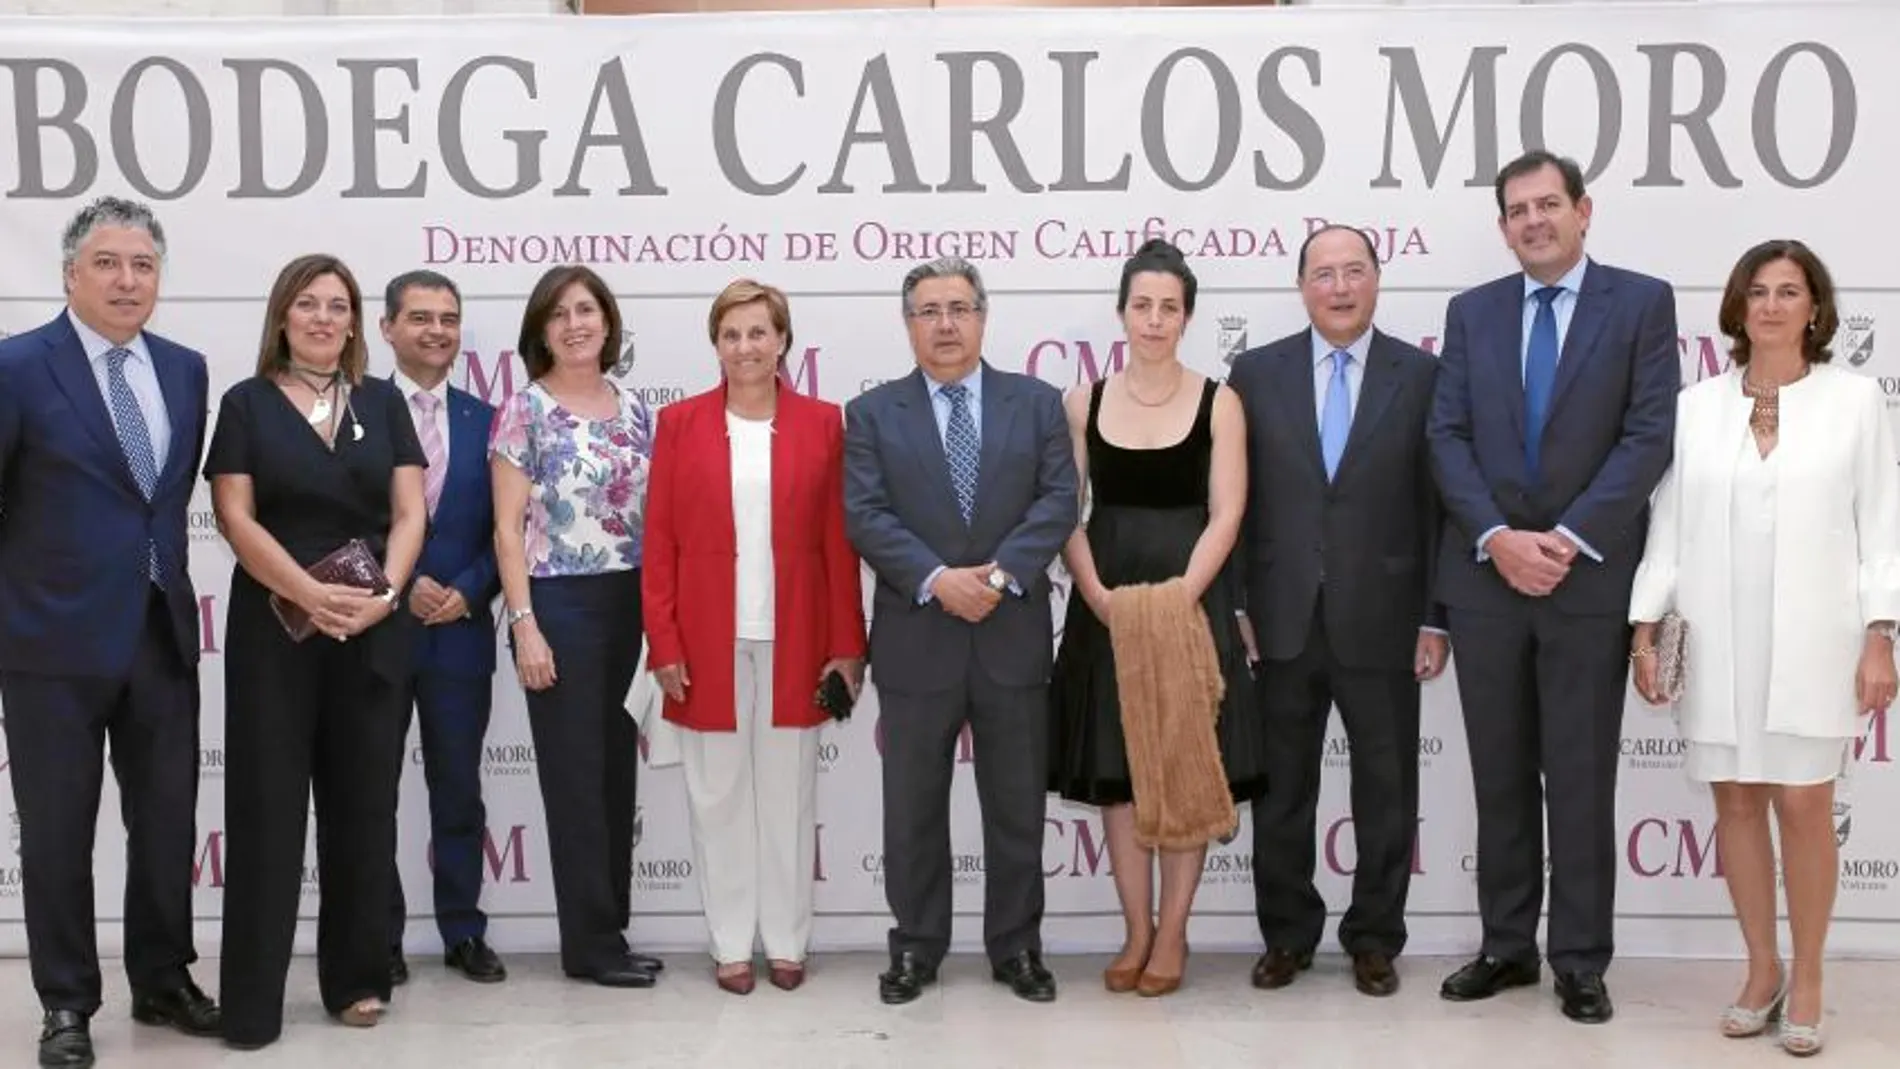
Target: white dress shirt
140,373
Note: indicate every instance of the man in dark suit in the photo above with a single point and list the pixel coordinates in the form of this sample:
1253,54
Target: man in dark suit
1554,420
960,487
101,428
456,580
1337,549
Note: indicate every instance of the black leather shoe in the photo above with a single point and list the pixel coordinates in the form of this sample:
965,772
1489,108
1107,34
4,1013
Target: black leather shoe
905,980
1373,974
1278,968
398,969
1585,999
473,959
1486,976
646,961
185,1008
1026,977
65,1040
624,974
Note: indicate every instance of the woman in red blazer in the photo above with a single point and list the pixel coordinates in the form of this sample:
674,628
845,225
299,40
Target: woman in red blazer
751,597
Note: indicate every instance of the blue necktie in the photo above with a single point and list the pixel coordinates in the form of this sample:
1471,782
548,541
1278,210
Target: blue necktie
960,449
1540,374
1337,421
135,438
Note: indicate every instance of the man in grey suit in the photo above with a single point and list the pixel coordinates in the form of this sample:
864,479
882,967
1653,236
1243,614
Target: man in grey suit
1554,418
1338,550
960,488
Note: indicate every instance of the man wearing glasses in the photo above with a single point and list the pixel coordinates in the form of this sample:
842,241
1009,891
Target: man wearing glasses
960,487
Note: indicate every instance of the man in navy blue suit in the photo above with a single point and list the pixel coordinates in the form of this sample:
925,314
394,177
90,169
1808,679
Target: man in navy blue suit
455,581
101,429
1553,420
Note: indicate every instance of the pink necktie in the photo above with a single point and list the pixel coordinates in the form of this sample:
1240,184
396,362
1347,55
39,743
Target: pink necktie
433,448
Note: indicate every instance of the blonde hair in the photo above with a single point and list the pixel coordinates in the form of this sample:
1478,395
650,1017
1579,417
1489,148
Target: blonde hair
743,292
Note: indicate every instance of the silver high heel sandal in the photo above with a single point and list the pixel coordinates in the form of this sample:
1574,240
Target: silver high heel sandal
1801,1040
1740,1022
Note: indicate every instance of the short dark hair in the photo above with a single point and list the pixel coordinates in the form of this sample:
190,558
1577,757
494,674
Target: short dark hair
1157,254
1372,251
1536,160
532,345
421,280
1733,319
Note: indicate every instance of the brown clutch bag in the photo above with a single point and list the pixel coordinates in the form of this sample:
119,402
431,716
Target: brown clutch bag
351,565
1672,655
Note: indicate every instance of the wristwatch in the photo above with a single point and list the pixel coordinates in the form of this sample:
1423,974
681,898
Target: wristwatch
392,596
998,580
515,616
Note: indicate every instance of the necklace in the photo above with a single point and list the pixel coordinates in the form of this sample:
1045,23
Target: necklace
324,384
1180,373
1764,419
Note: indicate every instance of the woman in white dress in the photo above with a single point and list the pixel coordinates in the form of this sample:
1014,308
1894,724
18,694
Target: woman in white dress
1776,538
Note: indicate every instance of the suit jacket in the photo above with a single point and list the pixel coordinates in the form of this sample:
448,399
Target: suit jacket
688,576
901,513
459,549
1836,565
1606,439
1369,535
73,524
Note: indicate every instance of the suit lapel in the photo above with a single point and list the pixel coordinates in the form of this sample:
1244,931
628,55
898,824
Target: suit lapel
1506,345
999,412
1293,381
1376,390
175,386
1586,322
66,359
920,428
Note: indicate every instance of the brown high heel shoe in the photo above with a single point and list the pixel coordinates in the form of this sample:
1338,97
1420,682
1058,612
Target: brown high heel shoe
1125,979
1152,986
786,975
737,983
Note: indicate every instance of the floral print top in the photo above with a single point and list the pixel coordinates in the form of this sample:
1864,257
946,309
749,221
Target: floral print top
588,503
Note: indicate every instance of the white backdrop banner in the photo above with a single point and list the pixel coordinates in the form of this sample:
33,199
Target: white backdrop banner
828,153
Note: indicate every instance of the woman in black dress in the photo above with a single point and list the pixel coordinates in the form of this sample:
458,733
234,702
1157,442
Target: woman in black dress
1162,453
309,454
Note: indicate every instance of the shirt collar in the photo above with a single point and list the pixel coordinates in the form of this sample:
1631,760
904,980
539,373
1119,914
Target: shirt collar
973,381
1571,283
410,388
96,346
1323,348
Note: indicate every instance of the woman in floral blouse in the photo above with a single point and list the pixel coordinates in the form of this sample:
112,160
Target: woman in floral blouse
569,459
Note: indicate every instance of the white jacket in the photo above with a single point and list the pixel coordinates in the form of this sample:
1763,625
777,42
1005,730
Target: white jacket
1837,548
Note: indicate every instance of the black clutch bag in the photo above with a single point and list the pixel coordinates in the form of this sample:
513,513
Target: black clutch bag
834,696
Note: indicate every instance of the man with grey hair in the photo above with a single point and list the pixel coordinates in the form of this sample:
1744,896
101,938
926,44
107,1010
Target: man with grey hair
101,428
960,488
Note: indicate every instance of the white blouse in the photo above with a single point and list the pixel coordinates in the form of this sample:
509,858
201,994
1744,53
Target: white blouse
752,525
1836,565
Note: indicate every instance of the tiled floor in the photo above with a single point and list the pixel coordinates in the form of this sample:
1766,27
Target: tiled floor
1665,1013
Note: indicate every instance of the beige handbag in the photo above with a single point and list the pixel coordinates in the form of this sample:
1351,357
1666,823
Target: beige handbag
1672,655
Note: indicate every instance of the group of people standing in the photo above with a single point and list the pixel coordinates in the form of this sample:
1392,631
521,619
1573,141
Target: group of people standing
1318,531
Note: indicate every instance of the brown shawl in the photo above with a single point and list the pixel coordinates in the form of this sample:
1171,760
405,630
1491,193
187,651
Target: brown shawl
1169,678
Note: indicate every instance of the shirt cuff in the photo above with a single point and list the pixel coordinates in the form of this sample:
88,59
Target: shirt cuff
1582,546
1433,631
923,590
1486,537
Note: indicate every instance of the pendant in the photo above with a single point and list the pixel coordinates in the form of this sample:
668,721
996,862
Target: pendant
320,412
356,432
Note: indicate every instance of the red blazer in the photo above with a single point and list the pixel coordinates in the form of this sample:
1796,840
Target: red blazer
689,558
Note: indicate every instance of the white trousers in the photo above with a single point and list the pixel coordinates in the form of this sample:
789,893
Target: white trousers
752,794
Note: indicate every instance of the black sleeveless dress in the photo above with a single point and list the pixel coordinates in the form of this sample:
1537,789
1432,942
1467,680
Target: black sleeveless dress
1149,507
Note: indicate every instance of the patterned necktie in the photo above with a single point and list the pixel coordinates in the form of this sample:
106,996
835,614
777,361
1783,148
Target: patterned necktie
1337,422
1540,375
433,448
135,438
960,449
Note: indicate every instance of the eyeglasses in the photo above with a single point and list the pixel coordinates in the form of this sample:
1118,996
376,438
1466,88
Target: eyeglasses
931,313
1354,274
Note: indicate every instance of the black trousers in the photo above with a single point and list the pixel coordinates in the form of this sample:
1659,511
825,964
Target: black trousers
454,713
1010,731
1379,708
586,752
56,728
304,721
1543,697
